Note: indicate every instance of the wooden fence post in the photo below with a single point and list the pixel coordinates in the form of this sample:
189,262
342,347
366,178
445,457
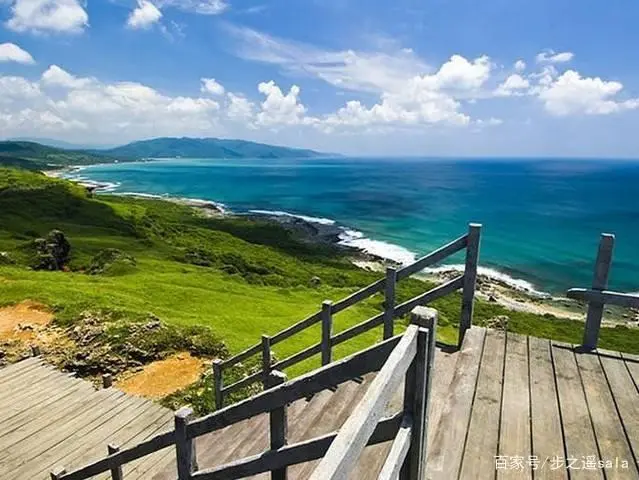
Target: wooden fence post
116,472
470,279
218,383
57,473
389,302
184,446
35,350
107,380
327,331
417,392
279,424
599,282
266,359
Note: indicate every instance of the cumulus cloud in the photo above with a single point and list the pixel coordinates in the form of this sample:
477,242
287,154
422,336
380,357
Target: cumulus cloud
144,15
202,7
520,66
514,85
280,109
210,85
54,16
550,56
56,76
573,94
10,52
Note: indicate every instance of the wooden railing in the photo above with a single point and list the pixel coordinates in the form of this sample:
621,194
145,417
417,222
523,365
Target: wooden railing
404,359
598,296
328,340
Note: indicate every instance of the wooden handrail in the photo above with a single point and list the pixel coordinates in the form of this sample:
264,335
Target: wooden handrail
467,281
341,457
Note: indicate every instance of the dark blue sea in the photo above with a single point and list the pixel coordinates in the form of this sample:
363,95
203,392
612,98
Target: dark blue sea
542,218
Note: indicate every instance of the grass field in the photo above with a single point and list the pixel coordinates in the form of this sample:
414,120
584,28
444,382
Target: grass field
242,278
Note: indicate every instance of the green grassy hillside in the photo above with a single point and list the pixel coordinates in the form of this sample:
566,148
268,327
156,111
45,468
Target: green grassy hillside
32,154
241,278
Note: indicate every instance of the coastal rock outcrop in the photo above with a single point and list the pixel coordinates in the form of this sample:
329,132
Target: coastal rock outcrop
52,252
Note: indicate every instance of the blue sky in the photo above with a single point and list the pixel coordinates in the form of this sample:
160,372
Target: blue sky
407,77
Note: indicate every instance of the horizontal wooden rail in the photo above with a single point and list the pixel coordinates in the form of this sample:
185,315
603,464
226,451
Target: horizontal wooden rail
345,450
245,382
368,360
147,447
360,295
296,328
296,453
357,329
433,257
249,352
399,449
604,296
298,357
430,296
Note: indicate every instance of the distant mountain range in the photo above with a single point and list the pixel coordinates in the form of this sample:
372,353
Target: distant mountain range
35,155
203,148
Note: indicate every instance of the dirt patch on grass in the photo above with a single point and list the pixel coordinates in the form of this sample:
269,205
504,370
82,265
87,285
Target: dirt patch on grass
24,320
163,377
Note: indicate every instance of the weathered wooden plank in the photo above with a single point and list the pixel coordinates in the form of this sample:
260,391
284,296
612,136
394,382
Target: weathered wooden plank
40,441
430,296
444,370
547,435
399,449
609,431
625,395
15,368
342,456
67,446
360,295
11,444
470,278
26,414
604,296
632,364
433,257
445,454
483,431
514,432
292,454
30,380
338,372
579,436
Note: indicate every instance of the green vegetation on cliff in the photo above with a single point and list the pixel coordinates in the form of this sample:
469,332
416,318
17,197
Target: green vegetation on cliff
33,156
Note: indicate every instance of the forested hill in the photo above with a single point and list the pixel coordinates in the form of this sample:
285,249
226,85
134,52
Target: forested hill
204,148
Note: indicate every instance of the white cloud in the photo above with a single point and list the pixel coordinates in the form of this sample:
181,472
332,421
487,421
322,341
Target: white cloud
550,56
56,76
280,109
239,108
520,66
144,15
460,74
347,69
210,85
17,89
10,52
514,85
572,94
202,7
57,16
491,122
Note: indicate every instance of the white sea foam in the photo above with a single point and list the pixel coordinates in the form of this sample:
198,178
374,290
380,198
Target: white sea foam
278,213
389,251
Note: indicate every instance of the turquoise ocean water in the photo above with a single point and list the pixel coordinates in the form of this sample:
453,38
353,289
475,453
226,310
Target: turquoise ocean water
542,218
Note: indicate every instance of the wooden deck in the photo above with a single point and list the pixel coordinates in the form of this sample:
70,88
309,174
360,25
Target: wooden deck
504,406
48,418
